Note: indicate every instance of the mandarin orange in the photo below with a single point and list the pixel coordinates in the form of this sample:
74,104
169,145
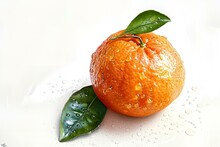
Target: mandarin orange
133,80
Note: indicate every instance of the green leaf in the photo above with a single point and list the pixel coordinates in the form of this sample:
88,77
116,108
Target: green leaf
82,113
147,21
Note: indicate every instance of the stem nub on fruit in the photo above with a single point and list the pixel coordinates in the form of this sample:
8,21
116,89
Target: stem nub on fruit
142,44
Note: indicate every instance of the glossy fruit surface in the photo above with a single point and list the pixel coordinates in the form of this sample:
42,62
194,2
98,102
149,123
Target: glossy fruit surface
133,80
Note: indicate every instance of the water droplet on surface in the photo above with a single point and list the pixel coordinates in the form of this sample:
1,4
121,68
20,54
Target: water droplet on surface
188,111
110,58
149,101
138,87
67,114
110,88
93,116
128,106
194,88
165,133
77,115
190,132
136,105
70,122
182,116
75,106
83,109
69,126
143,96
198,111
64,82
104,91
146,40
165,115
81,95
128,59
116,142
78,125
107,67
138,134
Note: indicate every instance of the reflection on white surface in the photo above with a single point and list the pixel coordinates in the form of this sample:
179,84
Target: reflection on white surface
42,40
182,118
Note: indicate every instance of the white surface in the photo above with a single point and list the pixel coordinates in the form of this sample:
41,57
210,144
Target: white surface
45,48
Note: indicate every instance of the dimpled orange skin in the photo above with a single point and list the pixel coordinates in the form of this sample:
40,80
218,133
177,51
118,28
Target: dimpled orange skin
137,81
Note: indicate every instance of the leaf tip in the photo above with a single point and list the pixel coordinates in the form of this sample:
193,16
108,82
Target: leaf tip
168,19
62,138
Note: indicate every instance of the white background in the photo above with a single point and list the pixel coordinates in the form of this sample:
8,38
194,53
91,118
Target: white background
42,38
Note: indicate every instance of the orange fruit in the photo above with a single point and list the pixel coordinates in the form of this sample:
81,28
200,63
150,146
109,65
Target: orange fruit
133,80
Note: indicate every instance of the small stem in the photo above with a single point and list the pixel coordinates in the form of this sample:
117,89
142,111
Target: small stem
142,44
